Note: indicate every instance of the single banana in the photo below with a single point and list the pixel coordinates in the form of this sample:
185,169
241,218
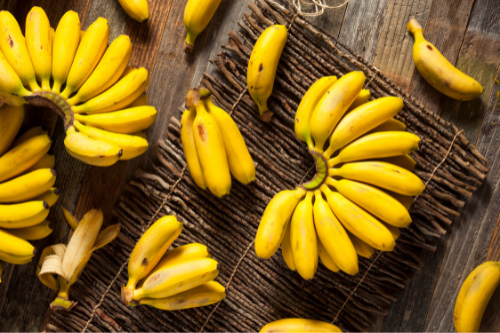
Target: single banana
22,157
13,46
149,251
298,325
108,71
385,175
15,260
286,249
131,145
39,44
88,55
189,148
333,105
28,186
126,121
326,259
50,196
405,200
15,245
475,295
403,161
274,221
333,237
11,119
31,133
197,15
46,162
438,71
36,232
359,222
377,145
10,99
66,40
91,151
362,249
390,125
307,106
10,83
394,230
142,100
361,120
23,215
240,162
263,64
363,97
136,9
182,253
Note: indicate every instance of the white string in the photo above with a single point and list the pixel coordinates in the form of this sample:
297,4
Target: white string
319,7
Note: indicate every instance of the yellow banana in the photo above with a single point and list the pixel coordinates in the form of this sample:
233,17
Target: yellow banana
10,83
390,125
23,215
263,64
286,249
15,260
394,230
359,222
149,251
274,221
50,196
362,249
28,186
10,99
36,232
333,237
381,174
13,46
333,105
31,133
403,161
307,106
438,71
363,97
182,253
298,325
326,259
240,162
125,121
131,145
15,245
139,101
108,71
88,54
39,44
22,157
46,162
66,40
197,15
91,151
136,9
189,147
361,120
405,200
11,119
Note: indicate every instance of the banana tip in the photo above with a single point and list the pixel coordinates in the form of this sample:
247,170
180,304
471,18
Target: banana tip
266,116
188,49
413,25
127,295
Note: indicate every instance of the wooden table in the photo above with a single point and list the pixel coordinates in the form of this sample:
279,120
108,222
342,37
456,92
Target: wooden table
466,31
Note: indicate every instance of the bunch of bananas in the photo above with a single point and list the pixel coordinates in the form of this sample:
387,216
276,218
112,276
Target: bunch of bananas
197,15
87,83
298,325
366,163
68,261
213,145
178,279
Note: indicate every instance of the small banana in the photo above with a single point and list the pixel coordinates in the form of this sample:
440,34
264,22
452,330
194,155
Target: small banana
28,186
15,246
46,162
189,148
197,15
263,64
390,125
39,44
298,325
394,230
475,295
91,151
286,249
326,259
10,99
23,215
362,249
31,133
15,260
11,119
10,83
139,101
183,253
438,71
36,232
136,9
50,196
403,161
363,97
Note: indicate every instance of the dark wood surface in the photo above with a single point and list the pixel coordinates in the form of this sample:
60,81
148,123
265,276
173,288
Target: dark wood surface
466,31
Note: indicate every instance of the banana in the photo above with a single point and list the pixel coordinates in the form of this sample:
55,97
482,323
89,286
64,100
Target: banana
11,99
189,147
91,151
377,145
50,196
405,200
35,232
131,145
438,71
39,44
13,46
88,54
206,294
274,221
390,125
263,64
23,215
333,237
28,186
286,249
307,106
11,119
362,249
303,238
385,175
359,222
15,260
22,157
136,9
210,147
333,105
197,15
174,279
363,97
475,295
70,219
108,71
240,162
139,101
10,83
46,162
297,325
361,120
394,230
15,246
326,259
148,252
31,133
66,40
182,253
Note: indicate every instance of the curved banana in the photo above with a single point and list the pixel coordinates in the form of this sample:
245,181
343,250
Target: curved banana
240,162
23,215
263,64
394,230
15,245
36,232
307,106
298,325
10,83
11,119
15,260
362,249
39,44
390,125
46,162
50,196
136,9
182,253
405,200
139,101
333,105
189,148
31,133
286,249
385,175
274,221
197,15
438,71
28,186
475,295
403,161
326,259
363,97
91,151
10,99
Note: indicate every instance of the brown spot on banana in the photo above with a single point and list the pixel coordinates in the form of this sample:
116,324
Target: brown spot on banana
145,262
261,67
429,47
202,132
10,41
